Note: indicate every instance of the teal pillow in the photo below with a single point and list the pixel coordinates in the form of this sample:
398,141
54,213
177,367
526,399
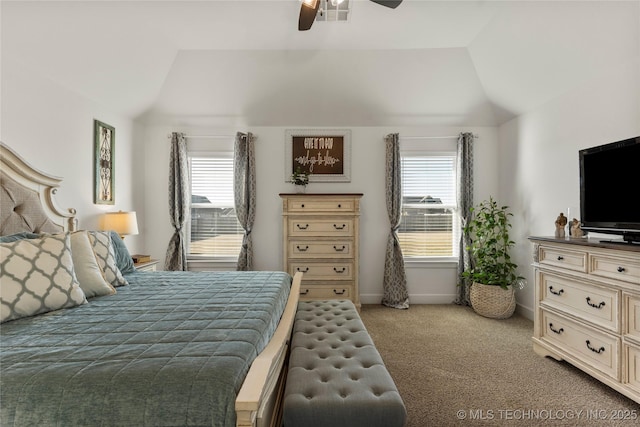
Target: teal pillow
18,236
124,262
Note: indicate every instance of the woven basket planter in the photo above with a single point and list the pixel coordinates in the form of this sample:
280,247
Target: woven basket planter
492,301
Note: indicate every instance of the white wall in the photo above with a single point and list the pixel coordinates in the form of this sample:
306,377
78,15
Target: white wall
535,154
52,128
434,283
539,170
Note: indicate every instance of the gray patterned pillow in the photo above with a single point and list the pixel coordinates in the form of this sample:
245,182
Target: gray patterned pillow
37,276
105,254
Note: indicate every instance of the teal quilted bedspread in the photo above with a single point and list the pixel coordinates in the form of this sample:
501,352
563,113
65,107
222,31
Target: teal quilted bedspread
170,349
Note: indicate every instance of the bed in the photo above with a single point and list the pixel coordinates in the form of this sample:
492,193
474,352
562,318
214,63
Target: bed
153,349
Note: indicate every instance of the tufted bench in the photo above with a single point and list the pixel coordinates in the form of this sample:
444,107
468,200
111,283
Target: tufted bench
336,375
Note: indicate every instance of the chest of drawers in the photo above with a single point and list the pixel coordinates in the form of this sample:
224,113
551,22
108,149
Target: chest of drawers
587,308
320,239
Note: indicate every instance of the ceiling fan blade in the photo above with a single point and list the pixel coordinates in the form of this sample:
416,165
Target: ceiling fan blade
308,11
389,3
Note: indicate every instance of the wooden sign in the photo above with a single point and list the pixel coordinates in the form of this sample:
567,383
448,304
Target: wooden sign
325,154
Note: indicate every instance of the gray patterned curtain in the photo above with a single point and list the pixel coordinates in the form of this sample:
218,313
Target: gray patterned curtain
395,293
465,203
244,192
176,259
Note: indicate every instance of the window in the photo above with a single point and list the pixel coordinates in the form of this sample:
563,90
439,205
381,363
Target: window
429,226
214,227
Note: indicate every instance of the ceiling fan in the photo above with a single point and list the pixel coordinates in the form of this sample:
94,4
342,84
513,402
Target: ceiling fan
309,10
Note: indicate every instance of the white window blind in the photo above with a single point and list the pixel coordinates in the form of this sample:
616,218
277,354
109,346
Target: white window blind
214,226
429,224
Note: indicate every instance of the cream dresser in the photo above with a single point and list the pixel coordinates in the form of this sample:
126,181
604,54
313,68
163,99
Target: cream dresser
587,308
321,240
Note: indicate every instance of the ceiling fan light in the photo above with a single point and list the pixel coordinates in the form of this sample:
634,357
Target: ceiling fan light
310,3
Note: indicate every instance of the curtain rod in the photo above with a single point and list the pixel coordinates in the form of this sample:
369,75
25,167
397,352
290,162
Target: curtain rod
401,137
435,137
207,136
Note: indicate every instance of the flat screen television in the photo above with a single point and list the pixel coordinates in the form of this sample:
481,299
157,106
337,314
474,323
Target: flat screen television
610,189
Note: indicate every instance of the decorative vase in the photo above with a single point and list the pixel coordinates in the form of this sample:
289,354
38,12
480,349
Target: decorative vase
492,301
301,189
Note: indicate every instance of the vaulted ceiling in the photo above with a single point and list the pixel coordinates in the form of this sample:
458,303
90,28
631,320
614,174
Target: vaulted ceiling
426,62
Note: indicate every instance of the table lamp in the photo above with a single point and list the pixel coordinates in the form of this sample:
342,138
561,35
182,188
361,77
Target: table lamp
123,223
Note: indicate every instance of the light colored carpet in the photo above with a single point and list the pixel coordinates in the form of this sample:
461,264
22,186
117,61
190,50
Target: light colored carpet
454,367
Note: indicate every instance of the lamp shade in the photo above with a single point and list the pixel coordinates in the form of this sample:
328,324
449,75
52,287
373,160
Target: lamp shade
123,223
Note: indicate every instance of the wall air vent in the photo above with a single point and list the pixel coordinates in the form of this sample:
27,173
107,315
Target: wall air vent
334,11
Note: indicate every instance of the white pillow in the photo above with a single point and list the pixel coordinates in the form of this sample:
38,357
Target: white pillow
88,272
105,254
37,276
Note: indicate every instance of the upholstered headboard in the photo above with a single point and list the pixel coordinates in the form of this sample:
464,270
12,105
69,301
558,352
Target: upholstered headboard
27,198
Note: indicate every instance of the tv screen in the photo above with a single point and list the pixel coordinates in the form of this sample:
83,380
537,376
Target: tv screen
610,188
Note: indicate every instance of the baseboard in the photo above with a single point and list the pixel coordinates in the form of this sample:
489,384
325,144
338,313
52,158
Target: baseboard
413,299
523,311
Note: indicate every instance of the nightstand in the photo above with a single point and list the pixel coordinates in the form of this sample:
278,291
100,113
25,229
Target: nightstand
146,266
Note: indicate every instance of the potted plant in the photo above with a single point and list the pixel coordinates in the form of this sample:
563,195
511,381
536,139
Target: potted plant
493,275
300,179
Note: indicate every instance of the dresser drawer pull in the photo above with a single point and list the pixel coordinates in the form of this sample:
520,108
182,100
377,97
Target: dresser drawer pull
339,227
340,249
302,249
340,271
600,350
339,292
306,291
306,269
560,292
560,257
339,205
302,205
302,227
621,270
598,306
557,331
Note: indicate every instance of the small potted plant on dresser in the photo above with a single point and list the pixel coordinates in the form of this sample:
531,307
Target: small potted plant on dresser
494,277
300,179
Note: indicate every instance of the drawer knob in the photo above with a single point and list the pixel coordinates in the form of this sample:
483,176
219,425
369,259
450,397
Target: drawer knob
339,249
341,270
560,257
557,331
302,249
621,270
339,227
302,205
339,205
560,292
306,291
302,227
598,306
303,270
600,350
339,292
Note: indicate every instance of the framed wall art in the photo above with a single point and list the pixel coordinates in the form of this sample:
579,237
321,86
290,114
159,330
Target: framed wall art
104,140
324,153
